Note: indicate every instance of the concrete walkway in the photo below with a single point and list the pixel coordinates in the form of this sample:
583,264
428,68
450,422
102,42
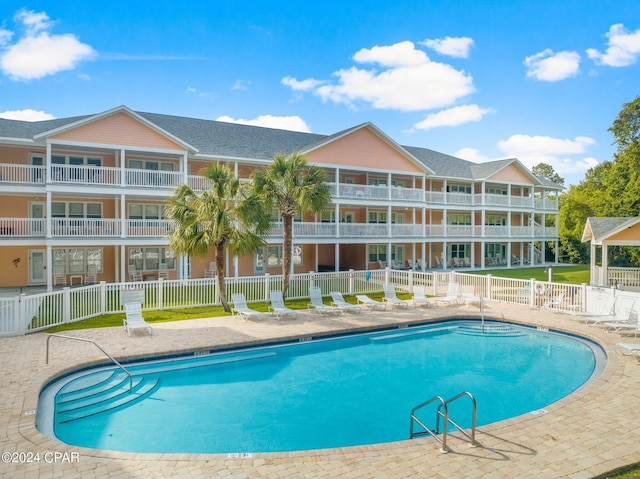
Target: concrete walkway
593,431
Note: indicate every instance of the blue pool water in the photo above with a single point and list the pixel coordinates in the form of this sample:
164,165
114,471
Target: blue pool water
338,392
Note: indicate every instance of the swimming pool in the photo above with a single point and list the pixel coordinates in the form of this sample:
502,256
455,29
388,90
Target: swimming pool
337,392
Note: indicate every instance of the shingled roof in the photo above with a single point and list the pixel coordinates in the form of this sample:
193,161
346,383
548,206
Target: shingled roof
598,229
219,139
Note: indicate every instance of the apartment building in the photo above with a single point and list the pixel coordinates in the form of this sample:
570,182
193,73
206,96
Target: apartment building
83,199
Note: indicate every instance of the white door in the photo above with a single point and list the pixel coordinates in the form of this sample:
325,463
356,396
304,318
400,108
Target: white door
36,212
37,266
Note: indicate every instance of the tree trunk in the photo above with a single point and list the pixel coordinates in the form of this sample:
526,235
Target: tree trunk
287,224
222,288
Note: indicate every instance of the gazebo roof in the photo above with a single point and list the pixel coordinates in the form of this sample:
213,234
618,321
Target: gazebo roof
598,230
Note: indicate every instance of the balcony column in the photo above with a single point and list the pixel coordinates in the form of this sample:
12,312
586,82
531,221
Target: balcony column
47,215
337,220
445,262
389,220
444,191
424,254
123,179
336,256
185,169
389,186
48,165
337,183
123,217
123,263
49,268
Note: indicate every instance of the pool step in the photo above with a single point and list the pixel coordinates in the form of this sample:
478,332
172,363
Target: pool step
90,385
96,402
502,330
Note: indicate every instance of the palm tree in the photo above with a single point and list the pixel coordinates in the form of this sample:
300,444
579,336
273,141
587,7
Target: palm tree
223,215
293,186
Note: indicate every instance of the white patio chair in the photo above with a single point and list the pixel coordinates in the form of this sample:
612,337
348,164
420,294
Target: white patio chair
370,303
211,271
316,303
134,319
241,309
59,277
452,296
163,271
134,275
420,297
555,302
92,275
338,301
391,298
277,306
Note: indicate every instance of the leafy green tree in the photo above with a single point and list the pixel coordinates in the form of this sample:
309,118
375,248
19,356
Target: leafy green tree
546,171
223,215
292,186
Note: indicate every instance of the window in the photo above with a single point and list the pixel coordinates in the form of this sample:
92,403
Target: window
276,216
461,250
151,165
377,252
71,209
377,216
146,211
149,259
328,216
459,188
495,250
77,260
275,255
495,220
459,219
378,181
76,160
495,190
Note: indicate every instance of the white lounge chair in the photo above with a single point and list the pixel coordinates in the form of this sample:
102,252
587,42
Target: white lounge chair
134,319
606,312
391,298
411,264
420,297
555,303
622,311
370,303
452,296
316,303
515,259
277,306
339,302
626,320
241,309
629,349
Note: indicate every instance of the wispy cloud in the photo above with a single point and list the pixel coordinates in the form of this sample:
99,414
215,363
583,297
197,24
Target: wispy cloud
567,156
406,80
623,48
38,52
453,46
471,154
293,123
26,115
551,67
453,117
241,85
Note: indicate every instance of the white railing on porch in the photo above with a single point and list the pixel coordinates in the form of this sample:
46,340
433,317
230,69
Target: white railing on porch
23,314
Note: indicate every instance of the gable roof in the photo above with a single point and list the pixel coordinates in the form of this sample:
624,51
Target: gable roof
599,229
217,139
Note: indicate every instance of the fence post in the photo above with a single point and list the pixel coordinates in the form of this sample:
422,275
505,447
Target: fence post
351,281
436,280
583,297
160,298
532,293
489,287
311,279
267,287
66,304
103,297
387,274
18,314
410,280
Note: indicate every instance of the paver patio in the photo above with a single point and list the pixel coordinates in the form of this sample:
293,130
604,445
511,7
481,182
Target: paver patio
594,430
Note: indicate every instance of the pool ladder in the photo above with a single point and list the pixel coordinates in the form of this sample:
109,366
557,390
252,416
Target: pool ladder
443,411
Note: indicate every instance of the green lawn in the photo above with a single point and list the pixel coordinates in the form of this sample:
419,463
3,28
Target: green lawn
571,274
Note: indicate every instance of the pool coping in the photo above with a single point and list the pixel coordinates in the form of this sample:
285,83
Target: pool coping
547,445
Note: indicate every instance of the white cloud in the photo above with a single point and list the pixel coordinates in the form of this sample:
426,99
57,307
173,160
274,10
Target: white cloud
453,46
240,85
564,155
623,48
39,53
453,117
551,67
408,81
293,123
26,115
301,85
471,154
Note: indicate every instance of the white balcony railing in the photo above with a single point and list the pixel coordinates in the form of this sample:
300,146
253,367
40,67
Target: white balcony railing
85,227
22,227
83,175
21,174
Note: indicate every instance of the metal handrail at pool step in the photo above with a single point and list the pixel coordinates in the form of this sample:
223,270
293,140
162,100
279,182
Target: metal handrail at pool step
443,411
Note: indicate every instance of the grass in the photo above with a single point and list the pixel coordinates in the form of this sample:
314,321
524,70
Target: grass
570,274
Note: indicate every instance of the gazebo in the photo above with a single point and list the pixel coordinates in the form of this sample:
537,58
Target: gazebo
605,232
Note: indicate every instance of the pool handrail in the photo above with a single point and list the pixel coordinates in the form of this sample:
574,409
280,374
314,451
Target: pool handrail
115,361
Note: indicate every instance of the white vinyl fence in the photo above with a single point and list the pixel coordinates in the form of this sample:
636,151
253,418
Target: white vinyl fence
24,314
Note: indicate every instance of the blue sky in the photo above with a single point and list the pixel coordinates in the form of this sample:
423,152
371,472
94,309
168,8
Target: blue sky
538,80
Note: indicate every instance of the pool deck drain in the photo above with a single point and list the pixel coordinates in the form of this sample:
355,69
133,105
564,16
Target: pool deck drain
595,430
